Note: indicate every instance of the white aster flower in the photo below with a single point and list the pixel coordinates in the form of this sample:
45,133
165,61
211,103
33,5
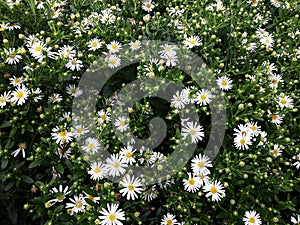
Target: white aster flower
194,130
115,165
20,95
215,190
97,171
132,187
252,218
112,215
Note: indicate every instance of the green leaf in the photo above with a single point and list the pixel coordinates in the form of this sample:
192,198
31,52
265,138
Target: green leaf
5,124
4,164
27,179
9,185
223,215
59,168
12,132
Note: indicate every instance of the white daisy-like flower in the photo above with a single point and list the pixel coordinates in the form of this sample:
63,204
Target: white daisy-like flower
179,100
275,117
192,184
215,190
79,130
276,3
103,116
16,81
13,57
67,52
242,141
275,80
55,98
20,95
187,92
252,218
132,187
107,17
195,130
297,163
74,64
77,204
91,145
252,46
63,153
203,178
148,5
203,97
74,91
4,98
126,154
263,138
168,49
61,136
200,164
267,40
243,129
135,45
114,47
115,165
168,219
276,151
113,61
21,148
121,124
296,219
60,192
94,44
170,59
254,128
285,101
97,170
37,50
112,215
224,83
192,42
92,198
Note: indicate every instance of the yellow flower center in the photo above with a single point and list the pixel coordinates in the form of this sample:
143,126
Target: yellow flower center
116,164
274,82
193,42
63,133
148,6
169,222
61,197
275,151
22,145
253,128
112,217
203,97
200,164
267,41
78,204
113,62
114,46
97,170
79,130
2,28
224,82
74,62
122,123
242,141
274,117
91,145
283,101
128,155
193,132
94,44
130,187
73,91
2,100
214,190
103,117
252,220
20,94
191,181
38,48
